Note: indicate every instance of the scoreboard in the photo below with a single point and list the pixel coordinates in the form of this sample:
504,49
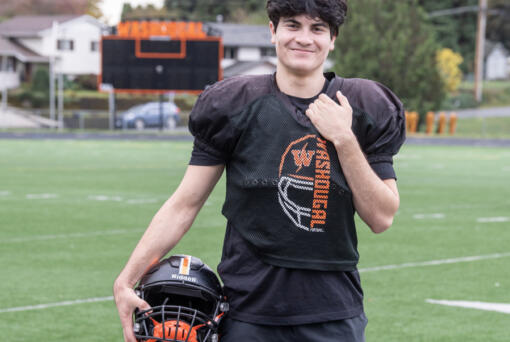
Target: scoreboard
160,57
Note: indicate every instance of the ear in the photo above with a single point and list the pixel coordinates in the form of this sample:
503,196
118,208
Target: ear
273,32
332,43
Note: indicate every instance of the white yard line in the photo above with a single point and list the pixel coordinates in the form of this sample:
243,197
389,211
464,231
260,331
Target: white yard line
69,236
52,305
41,196
435,262
428,216
371,269
497,307
493,219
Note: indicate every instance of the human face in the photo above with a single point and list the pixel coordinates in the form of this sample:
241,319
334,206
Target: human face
302,44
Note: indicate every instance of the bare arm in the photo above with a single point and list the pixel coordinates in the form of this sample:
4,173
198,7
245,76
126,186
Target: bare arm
375,200
167,227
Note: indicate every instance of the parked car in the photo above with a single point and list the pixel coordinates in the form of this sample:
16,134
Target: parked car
148,115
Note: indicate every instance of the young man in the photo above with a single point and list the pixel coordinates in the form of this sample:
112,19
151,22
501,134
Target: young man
303,151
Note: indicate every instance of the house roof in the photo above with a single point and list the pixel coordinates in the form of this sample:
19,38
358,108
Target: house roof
491,46
242,67
243,35
9,47
30,25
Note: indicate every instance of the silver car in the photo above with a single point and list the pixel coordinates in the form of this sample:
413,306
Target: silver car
148,115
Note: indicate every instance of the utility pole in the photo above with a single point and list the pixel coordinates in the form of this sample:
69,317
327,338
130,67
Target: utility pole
480,48
54,32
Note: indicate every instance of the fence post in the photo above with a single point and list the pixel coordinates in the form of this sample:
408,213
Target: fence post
430,123
442,123
453,123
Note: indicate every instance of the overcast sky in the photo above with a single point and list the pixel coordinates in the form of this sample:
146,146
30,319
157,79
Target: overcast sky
112,8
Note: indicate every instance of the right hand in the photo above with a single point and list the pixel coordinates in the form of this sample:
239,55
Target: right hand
127,301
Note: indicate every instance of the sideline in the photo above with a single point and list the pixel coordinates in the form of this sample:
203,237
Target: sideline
181,134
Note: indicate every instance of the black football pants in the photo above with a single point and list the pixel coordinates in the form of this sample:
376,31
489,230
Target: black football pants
347,330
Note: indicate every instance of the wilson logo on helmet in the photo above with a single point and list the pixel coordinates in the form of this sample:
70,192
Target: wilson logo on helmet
304,182
185,308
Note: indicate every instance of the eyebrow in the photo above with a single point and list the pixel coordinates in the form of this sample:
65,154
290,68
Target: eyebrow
318,23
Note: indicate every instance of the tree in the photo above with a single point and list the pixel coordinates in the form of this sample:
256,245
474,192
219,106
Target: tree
456,32
498,25
391,42
448,64
49,7
208,10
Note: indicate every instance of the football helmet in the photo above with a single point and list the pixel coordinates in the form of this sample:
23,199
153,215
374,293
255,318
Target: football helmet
186,300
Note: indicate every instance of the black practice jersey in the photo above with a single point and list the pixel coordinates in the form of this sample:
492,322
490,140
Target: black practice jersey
259,283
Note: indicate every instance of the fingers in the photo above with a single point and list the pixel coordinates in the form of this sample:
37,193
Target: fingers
127,301
343,100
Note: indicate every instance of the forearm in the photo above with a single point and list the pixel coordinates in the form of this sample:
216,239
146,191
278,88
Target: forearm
167,227
171,222
375,200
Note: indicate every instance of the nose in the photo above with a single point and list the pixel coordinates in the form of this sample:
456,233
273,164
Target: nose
304,38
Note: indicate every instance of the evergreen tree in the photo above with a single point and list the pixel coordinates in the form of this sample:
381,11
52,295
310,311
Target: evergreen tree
498,24
456,31
391,42
208,10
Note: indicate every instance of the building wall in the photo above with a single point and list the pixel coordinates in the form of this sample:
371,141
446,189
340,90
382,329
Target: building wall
81,59
496,65
9,79
245,54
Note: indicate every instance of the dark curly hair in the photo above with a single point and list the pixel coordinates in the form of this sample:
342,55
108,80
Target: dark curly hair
333,12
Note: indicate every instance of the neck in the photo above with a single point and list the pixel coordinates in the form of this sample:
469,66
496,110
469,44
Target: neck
304,86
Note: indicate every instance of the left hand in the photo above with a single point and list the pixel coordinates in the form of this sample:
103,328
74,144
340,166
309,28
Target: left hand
332,120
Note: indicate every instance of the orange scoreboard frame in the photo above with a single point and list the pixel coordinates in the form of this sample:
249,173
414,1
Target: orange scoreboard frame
160,57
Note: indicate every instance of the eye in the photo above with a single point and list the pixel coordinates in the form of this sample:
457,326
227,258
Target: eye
319,29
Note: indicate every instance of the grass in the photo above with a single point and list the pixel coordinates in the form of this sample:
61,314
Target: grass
494,127
494,93
72,211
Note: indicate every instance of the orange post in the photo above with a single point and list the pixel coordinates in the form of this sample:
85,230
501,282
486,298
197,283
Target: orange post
414,122
429,122
408,126
442,123
453,123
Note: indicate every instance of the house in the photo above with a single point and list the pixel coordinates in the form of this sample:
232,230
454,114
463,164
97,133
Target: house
28,41
247,49
496,61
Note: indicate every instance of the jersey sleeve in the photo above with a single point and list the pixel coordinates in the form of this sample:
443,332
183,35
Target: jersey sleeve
216,121
201,157
383,125
211,125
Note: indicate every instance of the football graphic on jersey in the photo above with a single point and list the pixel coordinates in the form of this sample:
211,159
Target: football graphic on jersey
304,182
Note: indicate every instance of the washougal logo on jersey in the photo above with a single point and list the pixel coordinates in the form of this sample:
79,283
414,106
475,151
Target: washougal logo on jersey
304,182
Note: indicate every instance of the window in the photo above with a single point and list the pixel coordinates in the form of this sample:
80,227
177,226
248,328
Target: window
94,46
268,52
229,53
65,45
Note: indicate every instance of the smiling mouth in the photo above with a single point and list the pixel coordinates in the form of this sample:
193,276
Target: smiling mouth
302,50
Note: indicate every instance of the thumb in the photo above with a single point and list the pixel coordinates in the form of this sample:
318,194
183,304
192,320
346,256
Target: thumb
142,305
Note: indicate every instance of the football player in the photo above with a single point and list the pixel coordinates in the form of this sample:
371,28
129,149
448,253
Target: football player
303,151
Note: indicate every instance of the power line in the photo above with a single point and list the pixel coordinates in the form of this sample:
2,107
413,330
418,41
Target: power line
463,9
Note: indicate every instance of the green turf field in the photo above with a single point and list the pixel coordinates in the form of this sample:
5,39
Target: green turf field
72,211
